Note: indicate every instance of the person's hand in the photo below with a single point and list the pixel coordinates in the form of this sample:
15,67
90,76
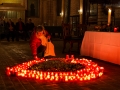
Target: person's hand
48,38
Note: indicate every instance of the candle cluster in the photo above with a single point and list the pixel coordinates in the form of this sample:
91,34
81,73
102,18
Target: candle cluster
91,71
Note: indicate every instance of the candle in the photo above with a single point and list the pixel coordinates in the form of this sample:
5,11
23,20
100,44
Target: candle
91,71
67,56
115,29
72,56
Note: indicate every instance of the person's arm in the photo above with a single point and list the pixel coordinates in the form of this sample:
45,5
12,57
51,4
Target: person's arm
47,35
33,47
33,44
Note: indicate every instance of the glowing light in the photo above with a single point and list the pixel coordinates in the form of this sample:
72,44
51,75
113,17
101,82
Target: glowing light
61,14
80,11
109,16
91,71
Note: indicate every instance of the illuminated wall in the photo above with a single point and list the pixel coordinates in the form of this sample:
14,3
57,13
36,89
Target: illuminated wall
12,1
49,13
11,12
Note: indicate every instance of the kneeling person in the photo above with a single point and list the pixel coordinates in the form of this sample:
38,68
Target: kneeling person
38,41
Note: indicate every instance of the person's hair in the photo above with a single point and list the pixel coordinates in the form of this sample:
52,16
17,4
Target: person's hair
30,19
20,18
39,28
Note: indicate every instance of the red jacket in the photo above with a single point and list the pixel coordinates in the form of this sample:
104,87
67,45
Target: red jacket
36,42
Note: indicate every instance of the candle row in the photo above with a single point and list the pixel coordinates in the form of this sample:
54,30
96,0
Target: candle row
91,71
68,57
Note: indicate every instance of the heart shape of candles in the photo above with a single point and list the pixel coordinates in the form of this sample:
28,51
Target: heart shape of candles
91,70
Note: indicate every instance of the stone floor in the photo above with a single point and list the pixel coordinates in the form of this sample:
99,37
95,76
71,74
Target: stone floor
12,53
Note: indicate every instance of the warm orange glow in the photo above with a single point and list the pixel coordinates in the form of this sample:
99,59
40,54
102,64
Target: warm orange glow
91,71
81,11
109,16
61,14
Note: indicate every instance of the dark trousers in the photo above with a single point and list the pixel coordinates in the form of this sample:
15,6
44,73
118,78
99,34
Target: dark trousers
10,34
41,49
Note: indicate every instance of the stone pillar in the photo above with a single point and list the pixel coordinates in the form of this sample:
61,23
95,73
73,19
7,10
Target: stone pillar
67,11
62,11
81,11
41,12
25,3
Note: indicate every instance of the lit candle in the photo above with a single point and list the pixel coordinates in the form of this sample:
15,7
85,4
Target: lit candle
91,71
67,56
72,56
115,29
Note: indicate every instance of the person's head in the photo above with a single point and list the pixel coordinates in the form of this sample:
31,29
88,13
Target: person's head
29,20
19,20
39,30
9,20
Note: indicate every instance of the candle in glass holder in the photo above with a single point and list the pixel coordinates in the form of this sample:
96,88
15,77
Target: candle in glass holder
115,29
72,56
67,56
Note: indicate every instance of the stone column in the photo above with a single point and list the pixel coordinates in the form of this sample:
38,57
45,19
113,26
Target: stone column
25,3
41,12
67,11
81,11
62,11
